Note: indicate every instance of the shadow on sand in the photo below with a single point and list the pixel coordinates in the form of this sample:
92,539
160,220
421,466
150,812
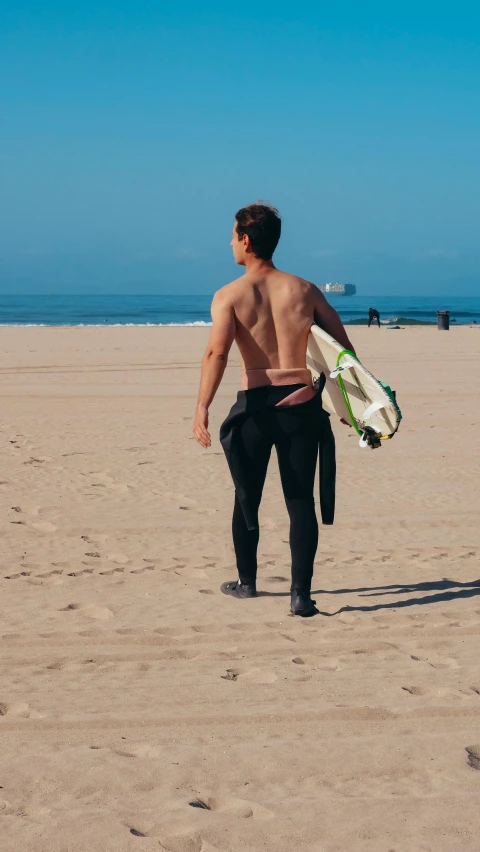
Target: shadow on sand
446,590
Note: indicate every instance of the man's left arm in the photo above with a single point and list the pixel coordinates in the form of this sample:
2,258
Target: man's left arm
214,362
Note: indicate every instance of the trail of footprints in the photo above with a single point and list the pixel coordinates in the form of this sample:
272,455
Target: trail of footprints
27,517
330,603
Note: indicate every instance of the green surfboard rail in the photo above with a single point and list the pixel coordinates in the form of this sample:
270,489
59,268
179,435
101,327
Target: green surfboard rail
344,392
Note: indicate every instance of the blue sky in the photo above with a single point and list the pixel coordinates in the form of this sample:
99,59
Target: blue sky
131,133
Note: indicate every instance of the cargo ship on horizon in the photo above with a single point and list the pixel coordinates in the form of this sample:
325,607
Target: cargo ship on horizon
337,289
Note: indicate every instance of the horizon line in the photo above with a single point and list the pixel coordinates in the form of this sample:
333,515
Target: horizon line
347,298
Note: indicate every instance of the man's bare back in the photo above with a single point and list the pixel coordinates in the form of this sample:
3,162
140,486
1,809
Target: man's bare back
274,311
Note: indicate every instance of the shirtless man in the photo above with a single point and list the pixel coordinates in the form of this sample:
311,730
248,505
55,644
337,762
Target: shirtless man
268,313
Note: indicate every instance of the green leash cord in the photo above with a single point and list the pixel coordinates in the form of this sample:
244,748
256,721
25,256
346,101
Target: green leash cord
344,392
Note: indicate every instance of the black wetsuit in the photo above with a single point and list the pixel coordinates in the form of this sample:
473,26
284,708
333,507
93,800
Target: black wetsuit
373,315
298,432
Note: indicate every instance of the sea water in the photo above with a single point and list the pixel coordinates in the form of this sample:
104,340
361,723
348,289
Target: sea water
194,310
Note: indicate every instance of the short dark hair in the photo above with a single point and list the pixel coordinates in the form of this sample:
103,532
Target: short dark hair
261,222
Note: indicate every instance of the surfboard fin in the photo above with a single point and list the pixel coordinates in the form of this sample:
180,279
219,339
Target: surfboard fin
375,406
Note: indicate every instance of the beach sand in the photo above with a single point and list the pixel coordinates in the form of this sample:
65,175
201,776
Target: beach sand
131,687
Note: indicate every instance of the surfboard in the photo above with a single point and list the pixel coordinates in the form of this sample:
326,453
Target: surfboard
351,392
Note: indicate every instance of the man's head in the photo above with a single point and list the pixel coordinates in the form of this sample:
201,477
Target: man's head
256,232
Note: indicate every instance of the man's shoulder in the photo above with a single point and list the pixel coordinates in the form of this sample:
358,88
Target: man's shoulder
224,298
228,292
230,288
291,278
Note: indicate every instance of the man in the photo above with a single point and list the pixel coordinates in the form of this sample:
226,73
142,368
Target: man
269,314
373,315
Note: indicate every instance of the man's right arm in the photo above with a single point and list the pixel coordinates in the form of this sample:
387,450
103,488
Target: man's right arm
327,318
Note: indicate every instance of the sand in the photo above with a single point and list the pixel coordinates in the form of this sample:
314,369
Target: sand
140,709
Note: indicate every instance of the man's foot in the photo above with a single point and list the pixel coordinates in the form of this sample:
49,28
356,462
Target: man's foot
302,604
239,590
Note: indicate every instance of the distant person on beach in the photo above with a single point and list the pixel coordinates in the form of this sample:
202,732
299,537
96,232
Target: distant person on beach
373,315
269,313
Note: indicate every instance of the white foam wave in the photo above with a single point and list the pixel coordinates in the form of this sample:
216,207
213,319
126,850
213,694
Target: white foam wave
197,323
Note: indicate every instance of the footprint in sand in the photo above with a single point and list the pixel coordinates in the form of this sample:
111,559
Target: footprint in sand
96,539
38,460
51,578
18,709
30,512
353,560
167,631
347,618
414,690
208,629
103,480
17,575
233,806
327,664
193,506
192,573
118,570
142,569
250,675
144,750
473,756
90,610
181,842
26,509
118,558
22,444
436,662
286,636
44,526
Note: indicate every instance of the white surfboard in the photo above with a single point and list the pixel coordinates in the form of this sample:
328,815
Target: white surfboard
350,391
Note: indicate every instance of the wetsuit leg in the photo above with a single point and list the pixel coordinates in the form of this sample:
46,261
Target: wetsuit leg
256,445
297,452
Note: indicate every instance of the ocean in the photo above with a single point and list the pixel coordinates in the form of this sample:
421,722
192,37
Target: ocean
195,310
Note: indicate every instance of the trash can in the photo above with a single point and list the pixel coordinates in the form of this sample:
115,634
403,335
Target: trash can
443,320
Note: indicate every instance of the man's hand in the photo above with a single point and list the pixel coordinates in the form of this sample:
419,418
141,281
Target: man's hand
200,427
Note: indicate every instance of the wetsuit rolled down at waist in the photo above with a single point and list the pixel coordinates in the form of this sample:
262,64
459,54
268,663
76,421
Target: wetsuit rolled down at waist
279,408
